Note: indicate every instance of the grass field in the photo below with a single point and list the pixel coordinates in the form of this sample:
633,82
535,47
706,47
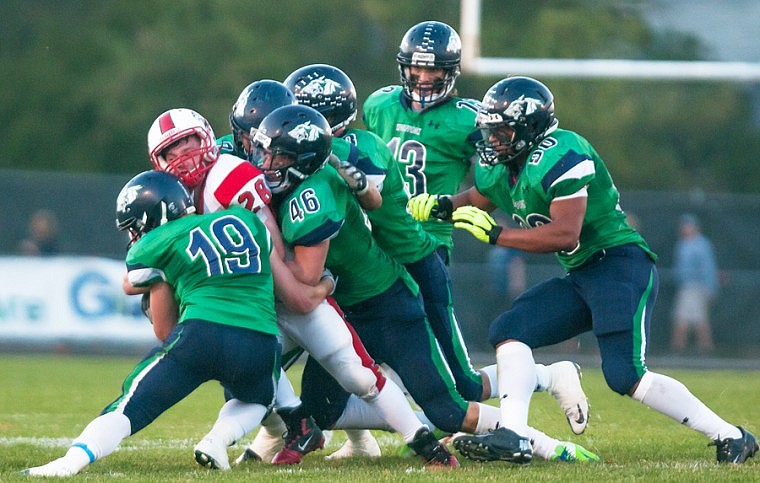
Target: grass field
45,401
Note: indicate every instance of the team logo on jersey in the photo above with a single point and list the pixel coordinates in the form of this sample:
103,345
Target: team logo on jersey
321,86
305,132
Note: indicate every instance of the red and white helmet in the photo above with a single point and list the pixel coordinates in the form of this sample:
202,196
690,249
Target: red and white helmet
170,127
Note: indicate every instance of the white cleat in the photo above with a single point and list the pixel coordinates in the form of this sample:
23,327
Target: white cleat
359,443
211,454
265,445
56,468
566,388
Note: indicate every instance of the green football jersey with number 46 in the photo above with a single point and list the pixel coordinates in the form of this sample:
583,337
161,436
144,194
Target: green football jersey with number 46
322,208
561,166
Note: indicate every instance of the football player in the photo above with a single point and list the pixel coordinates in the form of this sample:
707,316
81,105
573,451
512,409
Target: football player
198,260
331,92
557,186
322,331
325,226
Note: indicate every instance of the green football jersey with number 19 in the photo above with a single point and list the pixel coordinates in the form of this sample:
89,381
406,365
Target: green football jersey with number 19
323,208
562,165
218,264
434,147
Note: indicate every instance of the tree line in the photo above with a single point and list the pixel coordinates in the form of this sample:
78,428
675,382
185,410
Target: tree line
83,80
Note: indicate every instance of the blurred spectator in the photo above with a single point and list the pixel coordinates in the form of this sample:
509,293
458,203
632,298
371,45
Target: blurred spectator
506,267
42,234
696,277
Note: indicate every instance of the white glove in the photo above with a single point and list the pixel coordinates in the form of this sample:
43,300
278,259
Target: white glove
354,177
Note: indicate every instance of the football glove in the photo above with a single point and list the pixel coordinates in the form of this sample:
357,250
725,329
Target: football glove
327,274
354,177
425,205
145,306
477,222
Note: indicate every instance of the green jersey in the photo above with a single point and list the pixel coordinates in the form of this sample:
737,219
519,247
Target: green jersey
394,229
226,145
322,208
434,147
562,165
218,265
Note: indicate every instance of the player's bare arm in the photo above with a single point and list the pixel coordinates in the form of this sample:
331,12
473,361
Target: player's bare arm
163,309
309,262
472,197
298,296
562,234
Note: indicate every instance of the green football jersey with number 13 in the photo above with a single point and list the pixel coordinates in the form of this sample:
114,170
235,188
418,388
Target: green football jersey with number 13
435,147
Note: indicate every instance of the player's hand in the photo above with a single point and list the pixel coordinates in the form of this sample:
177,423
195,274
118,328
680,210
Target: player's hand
327,275
354,177
145,306
477,222
425,205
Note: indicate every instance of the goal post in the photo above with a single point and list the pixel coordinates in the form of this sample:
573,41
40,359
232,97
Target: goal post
473,63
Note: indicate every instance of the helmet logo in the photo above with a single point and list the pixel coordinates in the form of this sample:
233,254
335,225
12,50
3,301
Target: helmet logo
455,44
166,123
321,86
305,132
127,196
521,107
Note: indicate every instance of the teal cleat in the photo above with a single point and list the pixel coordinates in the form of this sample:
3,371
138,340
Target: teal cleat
571,453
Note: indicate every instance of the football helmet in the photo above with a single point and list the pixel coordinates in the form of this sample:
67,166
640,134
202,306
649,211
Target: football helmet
174,125
433,45
514,116
292,143
256,101
151,199
328,90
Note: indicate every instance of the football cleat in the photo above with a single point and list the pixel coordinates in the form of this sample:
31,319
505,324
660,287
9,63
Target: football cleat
360,443
56,468
265,445
500,444
427,446
210,454
566,388
301,439
736,450
442,436
571,453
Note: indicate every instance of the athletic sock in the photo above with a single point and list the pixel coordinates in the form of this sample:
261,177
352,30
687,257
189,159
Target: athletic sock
672,398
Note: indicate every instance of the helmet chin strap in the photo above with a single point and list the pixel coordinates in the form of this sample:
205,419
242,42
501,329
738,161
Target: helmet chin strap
164,218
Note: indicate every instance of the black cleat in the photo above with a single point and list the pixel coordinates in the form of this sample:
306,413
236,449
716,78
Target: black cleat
736,450
501,444
435,454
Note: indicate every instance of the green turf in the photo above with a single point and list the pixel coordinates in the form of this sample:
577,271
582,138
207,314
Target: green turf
45,401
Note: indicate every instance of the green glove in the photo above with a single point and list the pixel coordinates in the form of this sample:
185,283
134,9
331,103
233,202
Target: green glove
425,205
477,222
